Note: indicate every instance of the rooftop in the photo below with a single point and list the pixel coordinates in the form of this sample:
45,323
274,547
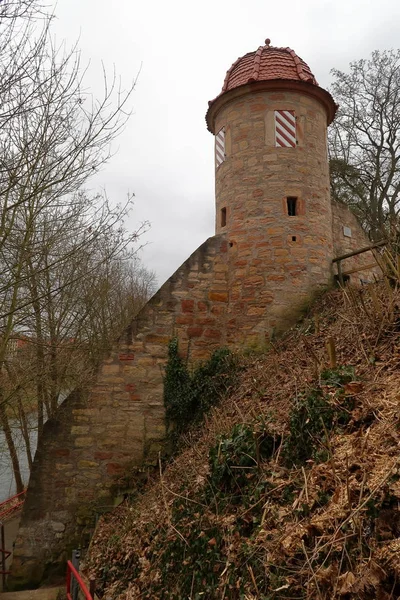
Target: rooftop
267,63
271,68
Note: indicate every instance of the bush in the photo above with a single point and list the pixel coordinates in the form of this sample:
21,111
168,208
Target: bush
309,419
236,457
189,394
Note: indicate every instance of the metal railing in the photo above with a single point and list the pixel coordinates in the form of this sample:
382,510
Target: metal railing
338,261
74,577
11,504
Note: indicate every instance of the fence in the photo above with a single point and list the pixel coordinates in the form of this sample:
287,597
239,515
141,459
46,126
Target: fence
338,260
76,587
11,505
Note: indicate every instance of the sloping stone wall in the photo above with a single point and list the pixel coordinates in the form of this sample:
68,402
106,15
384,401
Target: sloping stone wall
119,423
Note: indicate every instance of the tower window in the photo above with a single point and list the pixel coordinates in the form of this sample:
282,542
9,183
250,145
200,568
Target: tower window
291,206
285,129
220,147
223,217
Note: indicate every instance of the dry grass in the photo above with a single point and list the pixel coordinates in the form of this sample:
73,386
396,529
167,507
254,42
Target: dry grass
336,534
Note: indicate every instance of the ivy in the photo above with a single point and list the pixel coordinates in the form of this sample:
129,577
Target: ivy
311,417
189,394
235,459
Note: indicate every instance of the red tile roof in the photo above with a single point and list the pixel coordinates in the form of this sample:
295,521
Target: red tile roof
277,68
265,64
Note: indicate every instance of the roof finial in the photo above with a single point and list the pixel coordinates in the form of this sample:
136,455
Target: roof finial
267,42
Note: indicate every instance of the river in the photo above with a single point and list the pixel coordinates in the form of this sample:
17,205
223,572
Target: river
7,482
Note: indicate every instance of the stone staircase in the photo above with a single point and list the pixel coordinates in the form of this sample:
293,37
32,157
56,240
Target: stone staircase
51,593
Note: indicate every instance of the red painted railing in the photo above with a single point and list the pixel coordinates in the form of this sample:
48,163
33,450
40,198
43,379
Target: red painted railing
4,554
72,572
11,505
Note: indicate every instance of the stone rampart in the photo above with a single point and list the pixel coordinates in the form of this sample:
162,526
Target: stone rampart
119,424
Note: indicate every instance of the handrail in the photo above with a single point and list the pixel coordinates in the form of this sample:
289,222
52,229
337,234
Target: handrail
13,507
12,498
356,252
72,571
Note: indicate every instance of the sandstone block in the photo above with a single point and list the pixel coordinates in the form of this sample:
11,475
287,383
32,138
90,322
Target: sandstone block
112,369
87,464
62,452
214,334
57,526
187,306
83,442
80,429
195,331
218,296
126,357
115,469
103,455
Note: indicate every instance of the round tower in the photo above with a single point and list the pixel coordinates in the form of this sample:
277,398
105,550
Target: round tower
272,185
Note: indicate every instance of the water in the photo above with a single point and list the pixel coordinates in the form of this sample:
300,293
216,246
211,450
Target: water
7,482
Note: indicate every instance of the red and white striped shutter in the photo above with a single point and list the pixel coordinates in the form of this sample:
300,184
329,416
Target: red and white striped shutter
285,129
219,147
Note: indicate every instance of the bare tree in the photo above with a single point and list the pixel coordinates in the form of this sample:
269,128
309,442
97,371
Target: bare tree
64,253
364,140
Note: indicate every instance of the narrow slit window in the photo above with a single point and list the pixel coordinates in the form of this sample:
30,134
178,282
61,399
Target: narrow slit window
223,217
294,238
285,129
291,206
220,148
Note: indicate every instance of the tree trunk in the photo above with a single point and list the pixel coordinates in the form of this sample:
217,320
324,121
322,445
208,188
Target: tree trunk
25,432
11,447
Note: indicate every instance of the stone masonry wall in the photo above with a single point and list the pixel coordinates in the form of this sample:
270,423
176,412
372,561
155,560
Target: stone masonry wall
119,424
280,260
348,236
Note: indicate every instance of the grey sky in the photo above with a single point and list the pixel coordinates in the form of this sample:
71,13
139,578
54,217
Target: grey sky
184,49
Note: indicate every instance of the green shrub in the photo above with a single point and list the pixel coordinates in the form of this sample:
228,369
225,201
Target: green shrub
189,394
234,460
178,393
338,377
310,418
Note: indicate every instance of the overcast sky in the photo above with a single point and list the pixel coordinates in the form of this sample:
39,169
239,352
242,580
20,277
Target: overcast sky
183,50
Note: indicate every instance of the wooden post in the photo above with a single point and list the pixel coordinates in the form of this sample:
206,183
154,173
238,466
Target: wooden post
330,346
3,556
340,274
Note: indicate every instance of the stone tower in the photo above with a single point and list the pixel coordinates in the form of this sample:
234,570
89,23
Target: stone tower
276,235
272,186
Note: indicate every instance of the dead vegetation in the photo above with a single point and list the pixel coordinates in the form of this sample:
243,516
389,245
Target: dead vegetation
292,487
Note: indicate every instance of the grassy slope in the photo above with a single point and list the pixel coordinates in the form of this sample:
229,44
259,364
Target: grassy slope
291,488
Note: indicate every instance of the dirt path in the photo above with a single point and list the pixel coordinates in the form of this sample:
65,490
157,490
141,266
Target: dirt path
40,594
